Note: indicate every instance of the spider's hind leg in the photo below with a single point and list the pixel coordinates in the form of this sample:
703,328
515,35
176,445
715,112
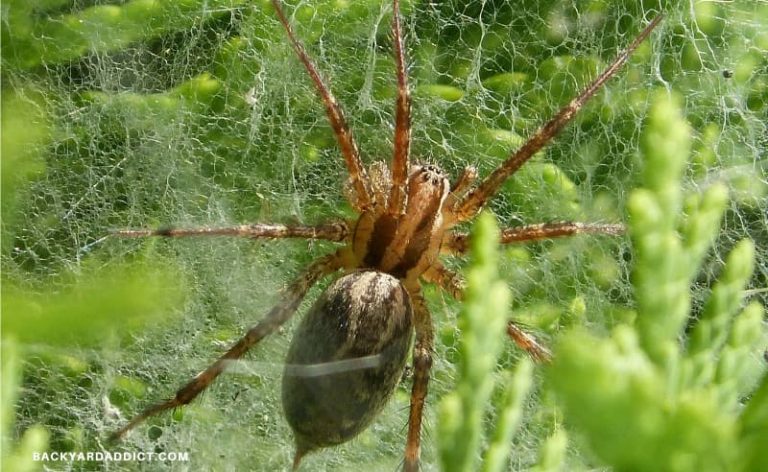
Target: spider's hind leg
274,319
452,283
422,364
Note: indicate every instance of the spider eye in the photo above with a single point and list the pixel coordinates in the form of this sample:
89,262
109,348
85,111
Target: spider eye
429,173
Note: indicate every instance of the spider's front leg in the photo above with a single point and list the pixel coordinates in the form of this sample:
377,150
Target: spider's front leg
363,199
337,232
400,158
273,320
457,244
422,364
475,200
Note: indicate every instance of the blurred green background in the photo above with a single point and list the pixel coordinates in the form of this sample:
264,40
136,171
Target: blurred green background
144,114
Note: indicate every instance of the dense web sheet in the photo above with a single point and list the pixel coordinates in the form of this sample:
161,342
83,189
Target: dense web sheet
134,114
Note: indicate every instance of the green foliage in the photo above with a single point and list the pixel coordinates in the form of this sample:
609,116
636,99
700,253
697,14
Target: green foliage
119,297
24,130
17,457
679,404
482,318
190,113
55,39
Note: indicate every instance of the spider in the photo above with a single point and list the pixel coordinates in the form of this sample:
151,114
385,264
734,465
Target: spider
406,215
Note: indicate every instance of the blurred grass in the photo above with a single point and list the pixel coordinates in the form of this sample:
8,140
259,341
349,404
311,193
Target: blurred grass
145,114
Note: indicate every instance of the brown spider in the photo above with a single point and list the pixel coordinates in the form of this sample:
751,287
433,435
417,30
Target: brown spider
406,216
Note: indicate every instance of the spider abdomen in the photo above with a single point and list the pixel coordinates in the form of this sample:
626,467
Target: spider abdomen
346,358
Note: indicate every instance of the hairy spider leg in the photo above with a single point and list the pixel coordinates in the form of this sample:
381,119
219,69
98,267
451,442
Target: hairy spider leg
454,284
357,173
422,363
458,243
278,315
337,232
528,343
446,279
402,145
476,199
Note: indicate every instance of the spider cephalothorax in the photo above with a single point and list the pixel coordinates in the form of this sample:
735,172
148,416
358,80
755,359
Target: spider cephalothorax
403,244
365,319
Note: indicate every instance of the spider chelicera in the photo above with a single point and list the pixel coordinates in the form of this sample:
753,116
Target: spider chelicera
406,215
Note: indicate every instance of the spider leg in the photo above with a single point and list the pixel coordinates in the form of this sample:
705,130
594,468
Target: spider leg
422,363
453,283
446,279
273,320
349,149
476,199
400,164
331,232
458,243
